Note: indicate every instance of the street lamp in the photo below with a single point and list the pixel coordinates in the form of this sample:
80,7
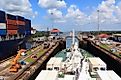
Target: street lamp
98,19
52,18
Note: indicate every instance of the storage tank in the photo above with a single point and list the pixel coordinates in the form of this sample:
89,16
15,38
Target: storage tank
2,23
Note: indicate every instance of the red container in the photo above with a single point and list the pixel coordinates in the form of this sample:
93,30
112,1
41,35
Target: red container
10,21
12,27
20,22
12,32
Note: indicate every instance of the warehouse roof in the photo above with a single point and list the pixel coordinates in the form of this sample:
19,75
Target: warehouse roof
55,30
103,36
116,34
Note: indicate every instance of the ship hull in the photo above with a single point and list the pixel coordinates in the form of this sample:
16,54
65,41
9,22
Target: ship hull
10,47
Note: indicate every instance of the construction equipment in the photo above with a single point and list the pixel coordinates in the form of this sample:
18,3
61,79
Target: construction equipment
15,65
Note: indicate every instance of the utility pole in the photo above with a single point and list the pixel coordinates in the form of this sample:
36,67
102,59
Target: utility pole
98,23
52,19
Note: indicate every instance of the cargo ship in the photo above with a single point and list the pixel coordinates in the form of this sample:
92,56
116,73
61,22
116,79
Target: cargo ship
75,64
14,31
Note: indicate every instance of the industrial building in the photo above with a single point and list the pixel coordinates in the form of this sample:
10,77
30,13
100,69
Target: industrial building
117,37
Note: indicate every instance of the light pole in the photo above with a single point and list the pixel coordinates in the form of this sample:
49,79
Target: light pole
98,23
52,18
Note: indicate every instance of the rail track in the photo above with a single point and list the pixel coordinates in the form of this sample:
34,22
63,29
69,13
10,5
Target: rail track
28,69
28,72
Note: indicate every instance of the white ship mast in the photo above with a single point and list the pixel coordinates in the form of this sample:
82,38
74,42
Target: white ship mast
73,36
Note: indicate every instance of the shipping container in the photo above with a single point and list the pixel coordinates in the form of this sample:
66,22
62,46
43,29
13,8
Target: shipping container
9,16
27,32
21,29
20,18
2,14
12,27
20,22
28,24
2,17
2,21
10,21
12,32
2,32
2,25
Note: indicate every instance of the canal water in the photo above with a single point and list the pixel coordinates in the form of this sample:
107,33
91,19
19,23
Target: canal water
68,45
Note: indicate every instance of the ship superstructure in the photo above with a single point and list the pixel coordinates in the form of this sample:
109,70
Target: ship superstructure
77,66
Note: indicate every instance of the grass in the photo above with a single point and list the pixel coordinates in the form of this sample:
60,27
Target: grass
118,54
105,46
40,53
30,59
28,52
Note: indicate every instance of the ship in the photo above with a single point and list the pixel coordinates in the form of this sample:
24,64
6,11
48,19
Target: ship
14,31
76,65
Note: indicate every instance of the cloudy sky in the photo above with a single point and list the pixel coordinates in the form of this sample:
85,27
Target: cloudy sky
66,15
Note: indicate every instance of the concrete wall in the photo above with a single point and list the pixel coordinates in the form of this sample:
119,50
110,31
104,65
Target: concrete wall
111,63
62,45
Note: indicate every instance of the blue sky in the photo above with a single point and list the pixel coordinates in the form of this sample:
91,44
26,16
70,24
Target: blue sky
66,15
85,5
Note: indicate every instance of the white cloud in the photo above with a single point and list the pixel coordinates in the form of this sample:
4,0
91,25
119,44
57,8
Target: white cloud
55,15
21,7
109,15
52,3
106,12
118,11
75,16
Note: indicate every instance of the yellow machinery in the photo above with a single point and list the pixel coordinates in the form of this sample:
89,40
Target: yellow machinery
14,64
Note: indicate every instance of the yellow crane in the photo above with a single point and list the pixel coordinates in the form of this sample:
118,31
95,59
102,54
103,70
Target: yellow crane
15,65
